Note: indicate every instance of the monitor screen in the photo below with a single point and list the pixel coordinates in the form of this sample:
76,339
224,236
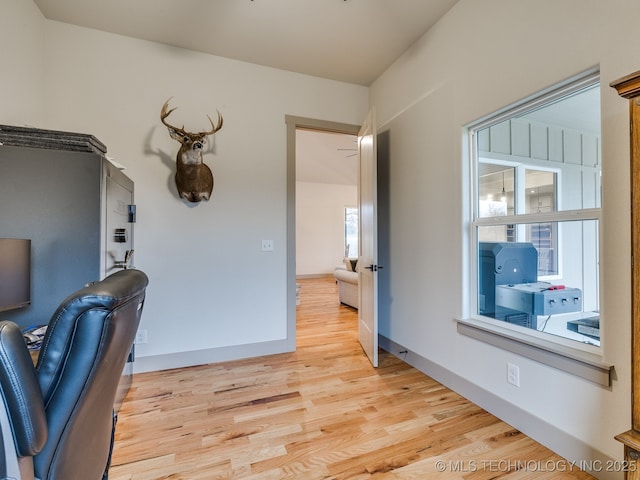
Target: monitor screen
15,273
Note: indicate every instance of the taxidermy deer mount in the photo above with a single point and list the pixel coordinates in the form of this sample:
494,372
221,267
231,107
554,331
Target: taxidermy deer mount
194,179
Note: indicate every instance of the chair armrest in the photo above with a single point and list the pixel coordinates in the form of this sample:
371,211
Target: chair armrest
346,276
20,392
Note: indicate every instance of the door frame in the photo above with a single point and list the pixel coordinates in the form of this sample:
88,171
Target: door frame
293,123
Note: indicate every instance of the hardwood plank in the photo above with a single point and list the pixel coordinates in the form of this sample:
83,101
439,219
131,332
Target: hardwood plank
320,412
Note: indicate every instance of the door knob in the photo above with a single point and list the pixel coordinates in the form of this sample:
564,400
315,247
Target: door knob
374,268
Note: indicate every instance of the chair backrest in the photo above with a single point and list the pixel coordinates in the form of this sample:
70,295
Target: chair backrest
81,361
23,422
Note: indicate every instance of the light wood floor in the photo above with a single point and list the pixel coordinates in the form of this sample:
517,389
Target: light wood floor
320,413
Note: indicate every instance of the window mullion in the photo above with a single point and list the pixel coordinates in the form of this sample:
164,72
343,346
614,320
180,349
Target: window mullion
528,218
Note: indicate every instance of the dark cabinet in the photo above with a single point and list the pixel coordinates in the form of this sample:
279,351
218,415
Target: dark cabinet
59,190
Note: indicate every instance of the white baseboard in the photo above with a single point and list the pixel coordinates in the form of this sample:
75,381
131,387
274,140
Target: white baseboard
559,441
167,361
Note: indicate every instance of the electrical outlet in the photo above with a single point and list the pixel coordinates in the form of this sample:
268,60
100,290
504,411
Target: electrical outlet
141,336
267,245
513,374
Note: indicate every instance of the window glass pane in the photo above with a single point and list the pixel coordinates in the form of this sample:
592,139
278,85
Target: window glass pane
495,190
351,232
563,136
540,191
544,237
551,287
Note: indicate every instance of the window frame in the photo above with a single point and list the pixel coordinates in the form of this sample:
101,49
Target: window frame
569,355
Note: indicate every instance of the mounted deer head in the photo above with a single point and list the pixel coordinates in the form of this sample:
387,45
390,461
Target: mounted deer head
193,178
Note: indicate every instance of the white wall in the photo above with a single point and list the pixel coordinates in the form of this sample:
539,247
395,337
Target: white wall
22,63
213,294
320,225
481,57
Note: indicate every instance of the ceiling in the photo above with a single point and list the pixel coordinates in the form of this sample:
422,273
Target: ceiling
580,111
347,40
326,157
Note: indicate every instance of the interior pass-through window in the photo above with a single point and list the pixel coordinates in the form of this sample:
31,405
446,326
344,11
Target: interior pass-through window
536,176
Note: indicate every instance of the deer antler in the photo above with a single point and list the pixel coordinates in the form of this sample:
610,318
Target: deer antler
214,128
164,113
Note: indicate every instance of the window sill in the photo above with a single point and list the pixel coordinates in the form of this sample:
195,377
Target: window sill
571,360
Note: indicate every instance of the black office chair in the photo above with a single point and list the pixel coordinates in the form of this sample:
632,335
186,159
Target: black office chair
57,418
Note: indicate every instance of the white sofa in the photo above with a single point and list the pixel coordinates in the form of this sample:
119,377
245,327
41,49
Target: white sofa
347,285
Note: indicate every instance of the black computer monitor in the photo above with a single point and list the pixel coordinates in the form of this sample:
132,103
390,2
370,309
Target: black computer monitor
15,273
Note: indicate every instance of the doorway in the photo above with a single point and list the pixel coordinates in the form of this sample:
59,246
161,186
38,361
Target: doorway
326,199
294,125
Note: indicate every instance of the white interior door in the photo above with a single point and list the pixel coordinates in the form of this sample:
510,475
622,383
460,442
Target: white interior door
368,228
